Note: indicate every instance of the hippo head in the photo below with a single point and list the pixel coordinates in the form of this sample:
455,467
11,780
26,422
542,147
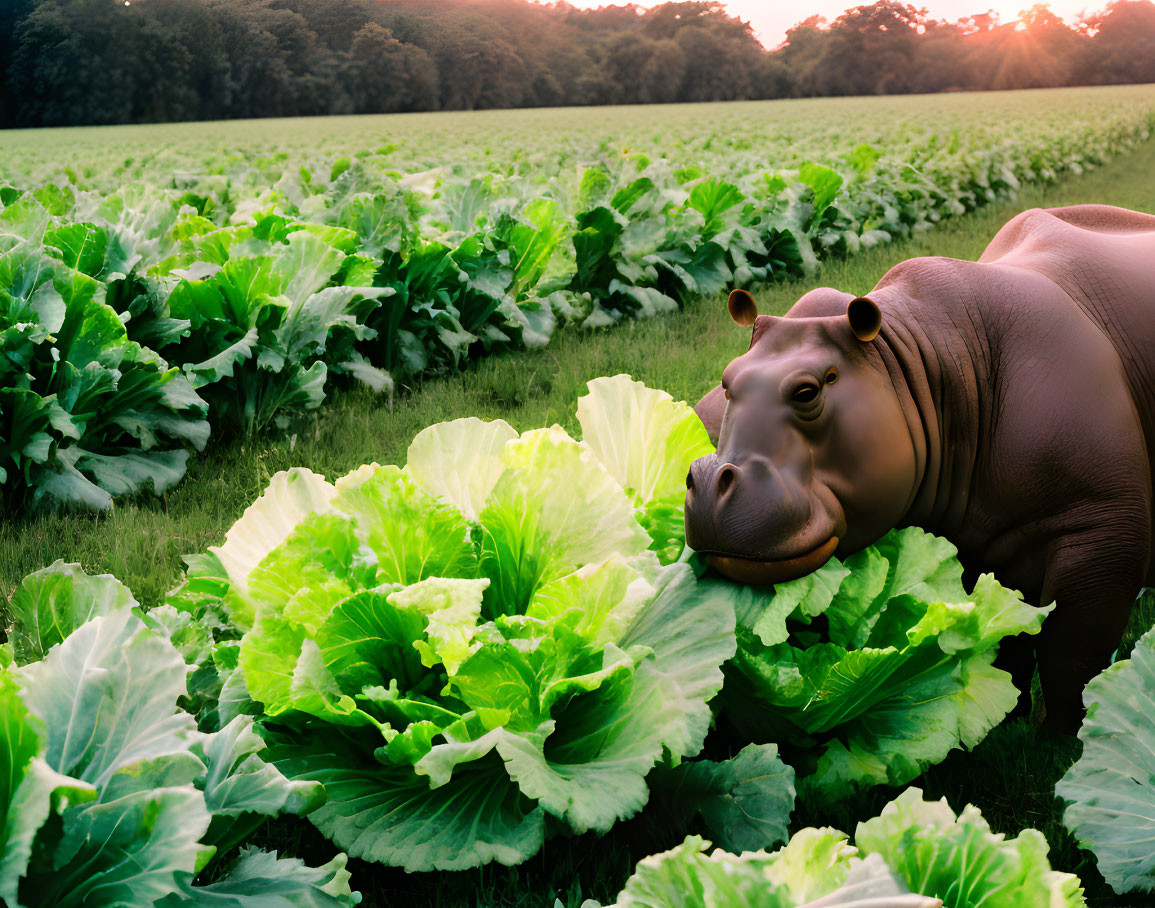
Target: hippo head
815,450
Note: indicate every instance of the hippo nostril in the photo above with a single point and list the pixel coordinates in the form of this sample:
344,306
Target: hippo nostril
690,480
726,479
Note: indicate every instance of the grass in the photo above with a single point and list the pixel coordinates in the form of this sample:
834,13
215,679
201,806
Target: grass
1010,776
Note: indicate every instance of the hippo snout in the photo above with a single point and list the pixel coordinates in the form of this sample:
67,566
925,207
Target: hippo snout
712,477
748,509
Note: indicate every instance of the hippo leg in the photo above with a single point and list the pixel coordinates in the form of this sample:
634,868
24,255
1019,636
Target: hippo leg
1093,578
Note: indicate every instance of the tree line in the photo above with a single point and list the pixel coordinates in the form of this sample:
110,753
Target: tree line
71,62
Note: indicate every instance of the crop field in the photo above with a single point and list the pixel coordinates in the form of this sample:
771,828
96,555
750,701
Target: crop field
235,274
446,662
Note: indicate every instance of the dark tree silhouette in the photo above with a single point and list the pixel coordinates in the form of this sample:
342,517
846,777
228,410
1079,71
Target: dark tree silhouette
99,61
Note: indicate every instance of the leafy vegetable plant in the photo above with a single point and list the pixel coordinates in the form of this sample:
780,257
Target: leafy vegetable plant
1111,788
85,413
148,283
915,854
111,797
486,638
867,672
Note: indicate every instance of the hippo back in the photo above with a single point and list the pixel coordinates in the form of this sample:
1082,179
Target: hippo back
1103,258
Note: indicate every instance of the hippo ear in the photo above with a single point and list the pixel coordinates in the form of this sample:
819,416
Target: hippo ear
743,309
865,319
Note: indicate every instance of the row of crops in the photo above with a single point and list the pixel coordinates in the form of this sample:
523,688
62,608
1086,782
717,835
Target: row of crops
156,291
443,665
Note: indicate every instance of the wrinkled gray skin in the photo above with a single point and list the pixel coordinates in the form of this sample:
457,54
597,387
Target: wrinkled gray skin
1006,404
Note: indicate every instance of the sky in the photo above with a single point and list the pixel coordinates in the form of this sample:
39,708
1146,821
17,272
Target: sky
771,18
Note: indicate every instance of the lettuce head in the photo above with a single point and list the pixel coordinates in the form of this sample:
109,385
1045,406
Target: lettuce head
464,647
868,671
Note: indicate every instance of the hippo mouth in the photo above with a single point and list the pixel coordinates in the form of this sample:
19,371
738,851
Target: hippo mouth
767,573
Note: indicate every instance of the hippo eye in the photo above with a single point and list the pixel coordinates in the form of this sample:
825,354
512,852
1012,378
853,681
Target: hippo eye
831,377
805,394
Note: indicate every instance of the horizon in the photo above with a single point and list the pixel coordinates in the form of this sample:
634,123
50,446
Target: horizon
771,21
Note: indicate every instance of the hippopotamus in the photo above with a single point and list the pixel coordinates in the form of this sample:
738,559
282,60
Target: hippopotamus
1006,404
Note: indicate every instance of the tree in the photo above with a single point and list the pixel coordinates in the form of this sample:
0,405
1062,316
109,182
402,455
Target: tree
1123,46
871,50
386,76
12,13
98,61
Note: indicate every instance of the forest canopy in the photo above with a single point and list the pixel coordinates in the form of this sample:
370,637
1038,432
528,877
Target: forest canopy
72,62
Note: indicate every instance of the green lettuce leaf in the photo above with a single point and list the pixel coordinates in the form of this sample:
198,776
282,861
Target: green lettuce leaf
51,603
237,780
1109,789
745,801
537,529
484,636
817,869
146,824
460,461
289,498
413,534
915,854
886,660
588,763
959,859
646,440
30,790
109,795
79,692
385,812
259,879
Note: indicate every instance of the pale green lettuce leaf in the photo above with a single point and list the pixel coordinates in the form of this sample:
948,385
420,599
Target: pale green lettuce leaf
290,497
691,632
304,264
987,698
237,780
314,689
588,763
30,790
959,859
127,850
259,879
51,603
460,461
107,696
539,526
316,566
598,601
646,440
643,437
451,609
915,854
817,869
685,876
107,699
413,534
1110,790
42,793
1001,612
